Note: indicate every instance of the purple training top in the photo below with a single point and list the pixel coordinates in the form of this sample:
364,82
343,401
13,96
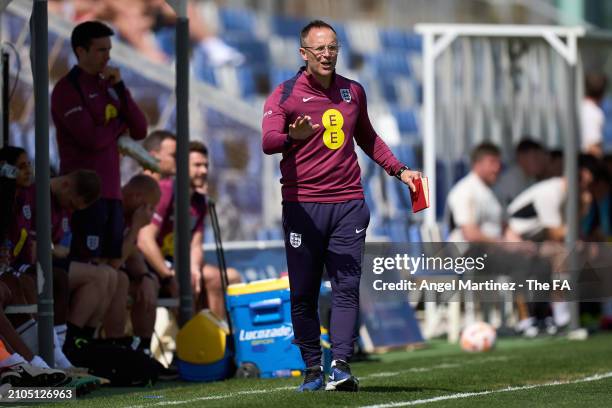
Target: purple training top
163,216
90,115
322,168
22,232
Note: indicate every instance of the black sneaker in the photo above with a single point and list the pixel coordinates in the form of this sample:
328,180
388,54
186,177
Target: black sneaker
169,373
341,378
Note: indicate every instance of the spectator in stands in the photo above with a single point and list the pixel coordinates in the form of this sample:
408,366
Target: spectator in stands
216,51
156,240
529,167
91,107
592,117
161,144
137,20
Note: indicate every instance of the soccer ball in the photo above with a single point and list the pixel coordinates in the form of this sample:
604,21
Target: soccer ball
479,336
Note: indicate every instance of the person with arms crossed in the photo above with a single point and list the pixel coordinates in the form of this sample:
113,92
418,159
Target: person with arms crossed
313,120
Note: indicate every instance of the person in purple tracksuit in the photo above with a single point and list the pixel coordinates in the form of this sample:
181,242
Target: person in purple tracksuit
91,108
314,120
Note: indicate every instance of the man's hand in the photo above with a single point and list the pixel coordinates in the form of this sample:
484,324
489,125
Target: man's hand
142,216
112,74
60,251
302,128
408,177
195,281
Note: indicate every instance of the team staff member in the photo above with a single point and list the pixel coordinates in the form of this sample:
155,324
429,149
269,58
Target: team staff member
91,108
312,120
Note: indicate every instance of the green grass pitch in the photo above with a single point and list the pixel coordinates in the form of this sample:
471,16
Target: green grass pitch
544,372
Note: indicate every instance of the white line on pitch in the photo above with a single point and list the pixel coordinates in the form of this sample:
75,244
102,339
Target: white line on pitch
434,367
211,397
474,394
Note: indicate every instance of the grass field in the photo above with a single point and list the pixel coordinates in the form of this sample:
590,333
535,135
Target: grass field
546,372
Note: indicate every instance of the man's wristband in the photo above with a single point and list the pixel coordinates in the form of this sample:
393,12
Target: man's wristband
398,175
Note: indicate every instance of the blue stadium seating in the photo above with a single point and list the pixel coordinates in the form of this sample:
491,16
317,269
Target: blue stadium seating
406,120
166,38
237,20
255,51
287,26
246,79
280,75
390,62
401,40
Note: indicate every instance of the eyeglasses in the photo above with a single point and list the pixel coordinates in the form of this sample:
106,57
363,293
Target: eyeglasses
332,49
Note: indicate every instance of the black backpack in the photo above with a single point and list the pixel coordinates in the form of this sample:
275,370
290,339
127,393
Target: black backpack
122,365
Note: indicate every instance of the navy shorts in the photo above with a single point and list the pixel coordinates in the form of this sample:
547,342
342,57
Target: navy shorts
97,231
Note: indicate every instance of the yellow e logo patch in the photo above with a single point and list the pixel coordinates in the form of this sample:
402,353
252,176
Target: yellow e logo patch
110,112
333,137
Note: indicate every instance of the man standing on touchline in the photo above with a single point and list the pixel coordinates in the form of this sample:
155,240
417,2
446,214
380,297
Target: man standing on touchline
312,119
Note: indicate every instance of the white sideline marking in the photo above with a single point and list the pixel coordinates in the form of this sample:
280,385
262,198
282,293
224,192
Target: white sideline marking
210,397
376,375
595,377
434,367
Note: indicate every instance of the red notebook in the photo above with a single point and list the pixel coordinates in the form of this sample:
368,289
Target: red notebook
420,198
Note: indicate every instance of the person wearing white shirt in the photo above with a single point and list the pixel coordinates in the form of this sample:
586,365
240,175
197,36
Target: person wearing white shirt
592,117
475,214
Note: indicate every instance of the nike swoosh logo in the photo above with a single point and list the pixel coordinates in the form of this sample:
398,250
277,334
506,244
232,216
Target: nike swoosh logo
357,231
307,99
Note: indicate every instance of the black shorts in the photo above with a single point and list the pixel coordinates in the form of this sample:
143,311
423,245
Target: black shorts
97,231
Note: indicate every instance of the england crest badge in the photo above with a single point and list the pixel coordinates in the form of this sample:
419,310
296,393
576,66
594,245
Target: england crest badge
92,242
27,212
295,239
345,94
65,224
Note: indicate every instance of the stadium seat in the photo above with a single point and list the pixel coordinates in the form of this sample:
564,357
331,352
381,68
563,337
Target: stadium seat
406,120
287,26
237,20
165,39
390,62
255,51
280,75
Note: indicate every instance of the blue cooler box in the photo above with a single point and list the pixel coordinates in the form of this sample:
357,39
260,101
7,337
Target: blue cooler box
261,323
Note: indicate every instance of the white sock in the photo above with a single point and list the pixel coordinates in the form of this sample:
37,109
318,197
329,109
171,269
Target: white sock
13,359
61,361
39,362
29,334
60,331
561,313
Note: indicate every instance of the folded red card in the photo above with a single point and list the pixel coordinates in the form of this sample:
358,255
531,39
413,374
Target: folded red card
420,197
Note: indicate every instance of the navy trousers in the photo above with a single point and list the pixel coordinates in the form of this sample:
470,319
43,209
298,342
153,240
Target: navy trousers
330,235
